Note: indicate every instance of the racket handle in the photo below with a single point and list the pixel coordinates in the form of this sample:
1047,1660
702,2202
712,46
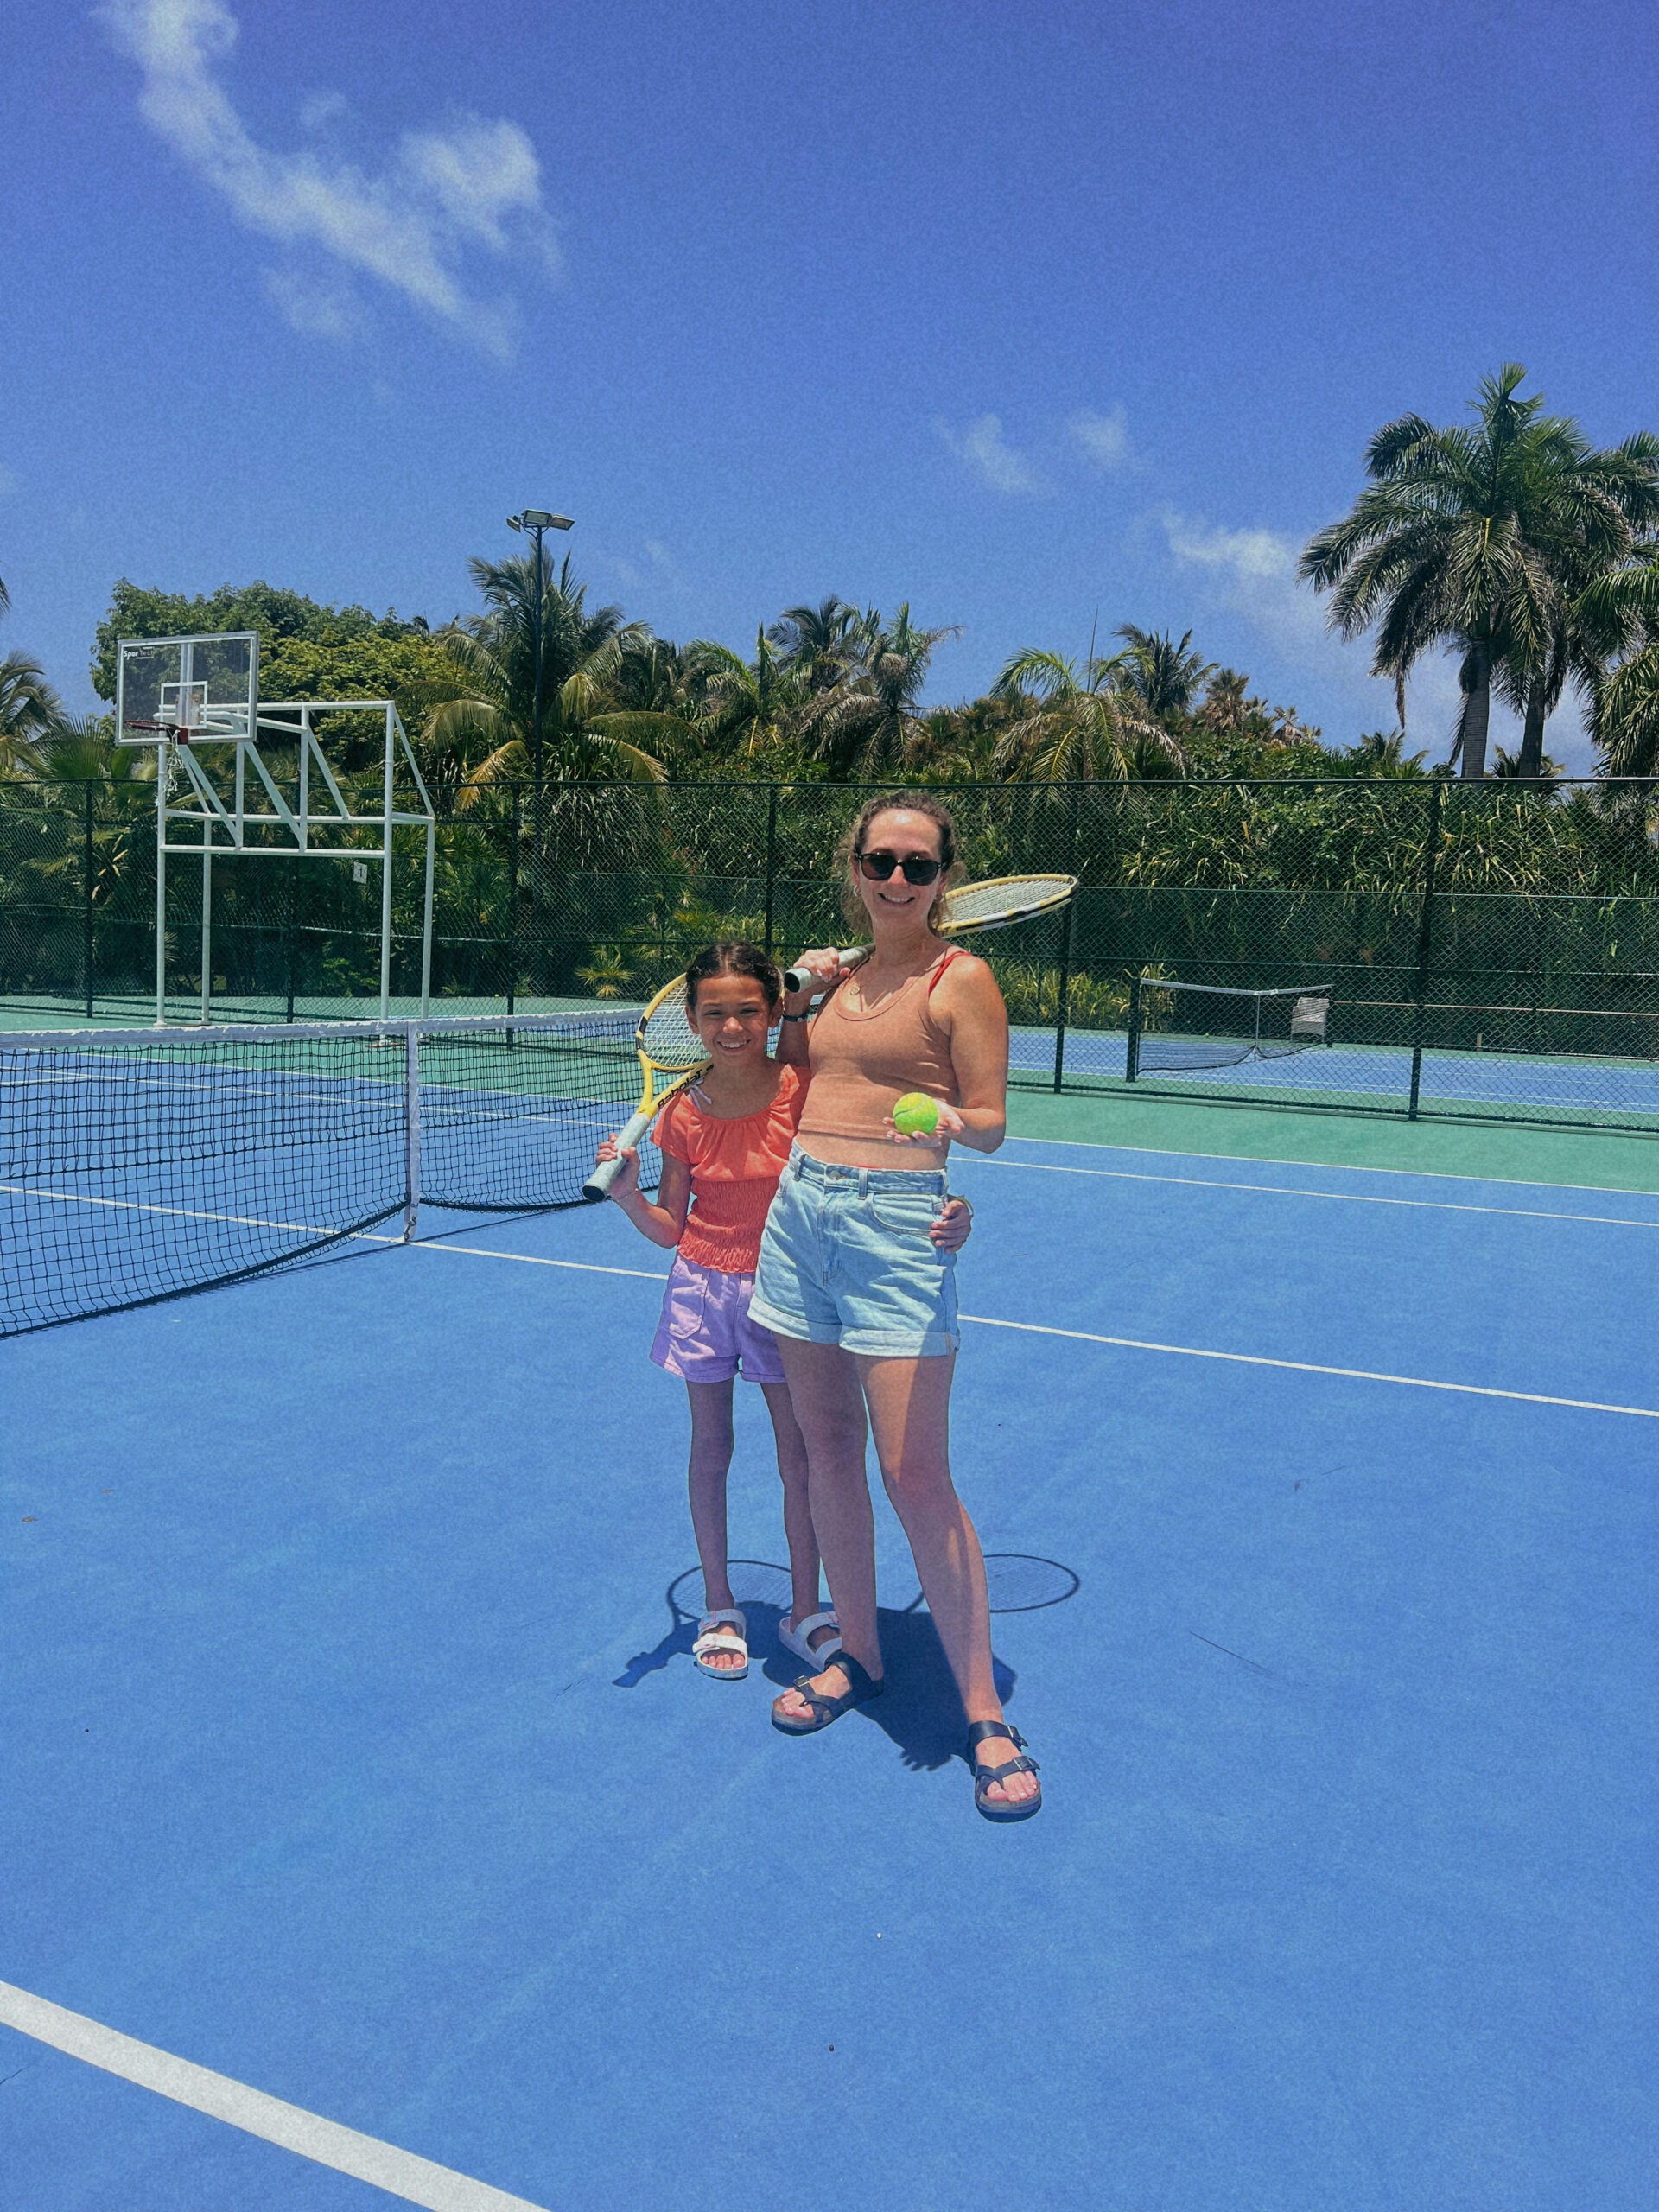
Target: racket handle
598,1183
801,979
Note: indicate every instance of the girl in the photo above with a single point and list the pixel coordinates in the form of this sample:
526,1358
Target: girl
724,1142
863,1302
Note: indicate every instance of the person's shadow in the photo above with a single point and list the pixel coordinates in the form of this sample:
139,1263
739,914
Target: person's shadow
920,1709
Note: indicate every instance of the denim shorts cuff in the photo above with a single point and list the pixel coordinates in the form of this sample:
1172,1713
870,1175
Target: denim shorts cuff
793,1325
898,1344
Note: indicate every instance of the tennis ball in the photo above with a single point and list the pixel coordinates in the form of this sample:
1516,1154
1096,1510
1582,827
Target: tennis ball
916,1114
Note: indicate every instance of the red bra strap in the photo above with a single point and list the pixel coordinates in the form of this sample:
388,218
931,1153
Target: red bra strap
952,952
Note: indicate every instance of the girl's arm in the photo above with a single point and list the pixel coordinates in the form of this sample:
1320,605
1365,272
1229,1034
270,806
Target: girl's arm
664,1221
970,1011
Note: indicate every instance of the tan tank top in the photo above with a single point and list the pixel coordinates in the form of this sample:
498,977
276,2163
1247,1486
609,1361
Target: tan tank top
863,1061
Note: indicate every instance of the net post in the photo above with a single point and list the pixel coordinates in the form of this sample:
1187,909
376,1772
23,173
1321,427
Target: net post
1425,944
1067,940
87,952
1132,1052
411,1129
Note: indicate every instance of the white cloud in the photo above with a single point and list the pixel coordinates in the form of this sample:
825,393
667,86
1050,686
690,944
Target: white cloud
318,306
1256,570
983,449
319,110
444,193
1102,439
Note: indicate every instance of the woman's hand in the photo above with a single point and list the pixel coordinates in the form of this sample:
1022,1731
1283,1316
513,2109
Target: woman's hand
950,1124
627,1176
824,962
953,1226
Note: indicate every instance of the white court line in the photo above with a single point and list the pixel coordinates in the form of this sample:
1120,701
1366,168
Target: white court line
1340,1197
1312,1367
1133,1343
325,2142
1347,1167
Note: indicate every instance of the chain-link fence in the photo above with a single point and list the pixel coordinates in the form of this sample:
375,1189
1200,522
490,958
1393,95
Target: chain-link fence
1489,949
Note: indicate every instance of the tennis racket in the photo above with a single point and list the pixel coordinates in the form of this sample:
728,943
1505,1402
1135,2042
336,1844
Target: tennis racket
993,904
668,1047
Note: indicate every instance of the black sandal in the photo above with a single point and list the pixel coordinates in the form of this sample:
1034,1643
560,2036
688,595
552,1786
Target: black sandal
985,1776
859,1690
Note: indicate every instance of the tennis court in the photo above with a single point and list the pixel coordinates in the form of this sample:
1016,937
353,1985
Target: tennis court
356,1754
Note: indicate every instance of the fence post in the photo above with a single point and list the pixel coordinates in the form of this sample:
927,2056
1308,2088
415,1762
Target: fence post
772,855
1067,944
87,951
1425,943
1132,1050
513,894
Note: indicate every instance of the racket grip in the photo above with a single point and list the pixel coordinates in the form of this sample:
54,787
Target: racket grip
801,979
598,1183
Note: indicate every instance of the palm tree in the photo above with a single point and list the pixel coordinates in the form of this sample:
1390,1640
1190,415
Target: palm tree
1470,536
482,731
1620,612
872,722
1081,725
29,710
749,706
821,643
1163,675
1382,753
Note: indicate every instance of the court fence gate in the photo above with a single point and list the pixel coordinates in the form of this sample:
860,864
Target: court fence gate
1487,949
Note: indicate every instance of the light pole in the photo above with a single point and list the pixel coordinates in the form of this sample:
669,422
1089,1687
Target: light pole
536,520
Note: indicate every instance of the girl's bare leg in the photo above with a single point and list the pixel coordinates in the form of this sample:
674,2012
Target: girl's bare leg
823,1390
711,1460
797,1510
910,1414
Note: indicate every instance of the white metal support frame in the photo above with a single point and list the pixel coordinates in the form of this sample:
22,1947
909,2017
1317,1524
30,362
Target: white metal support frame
203,822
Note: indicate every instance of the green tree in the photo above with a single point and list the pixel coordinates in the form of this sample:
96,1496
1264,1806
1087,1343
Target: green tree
482,730
1077,725
822,645
751,708
30,711
1470,536
284,619
1165,676
871,723
1620,611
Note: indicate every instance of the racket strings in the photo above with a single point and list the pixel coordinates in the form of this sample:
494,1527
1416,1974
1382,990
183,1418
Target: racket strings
1003,898
666,1037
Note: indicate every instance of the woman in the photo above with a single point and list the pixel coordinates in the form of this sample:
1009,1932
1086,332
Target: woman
862,1301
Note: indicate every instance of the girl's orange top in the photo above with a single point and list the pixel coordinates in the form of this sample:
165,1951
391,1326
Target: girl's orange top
734,1168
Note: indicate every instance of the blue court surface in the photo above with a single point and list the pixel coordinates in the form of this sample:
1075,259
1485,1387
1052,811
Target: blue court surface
355,1756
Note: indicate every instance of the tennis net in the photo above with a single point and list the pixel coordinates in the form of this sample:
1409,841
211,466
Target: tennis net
137,1165
1183,1028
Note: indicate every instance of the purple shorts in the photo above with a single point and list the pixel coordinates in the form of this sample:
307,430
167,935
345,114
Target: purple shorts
705,1331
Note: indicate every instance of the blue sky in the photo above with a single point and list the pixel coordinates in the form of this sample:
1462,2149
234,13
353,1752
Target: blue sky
1026,314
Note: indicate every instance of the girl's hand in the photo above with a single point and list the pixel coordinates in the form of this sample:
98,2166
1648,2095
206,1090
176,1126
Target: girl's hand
953,1226
627,1177
950,1124
825,964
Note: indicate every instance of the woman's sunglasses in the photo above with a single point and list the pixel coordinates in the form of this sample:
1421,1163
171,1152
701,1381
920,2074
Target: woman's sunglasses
915,867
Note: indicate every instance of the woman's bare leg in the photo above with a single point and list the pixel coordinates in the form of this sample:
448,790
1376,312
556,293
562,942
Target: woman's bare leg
823,1388
711,1460
910,1414
798,1509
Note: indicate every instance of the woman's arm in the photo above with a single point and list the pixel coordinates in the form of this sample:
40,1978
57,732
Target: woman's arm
663,1222
968,1008
792,1029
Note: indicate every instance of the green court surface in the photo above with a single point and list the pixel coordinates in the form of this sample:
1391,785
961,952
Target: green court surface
1591,1158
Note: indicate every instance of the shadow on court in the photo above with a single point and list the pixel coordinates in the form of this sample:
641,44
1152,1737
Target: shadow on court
920,1710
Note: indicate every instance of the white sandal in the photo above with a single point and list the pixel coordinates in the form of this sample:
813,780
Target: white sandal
798,1640
711,1638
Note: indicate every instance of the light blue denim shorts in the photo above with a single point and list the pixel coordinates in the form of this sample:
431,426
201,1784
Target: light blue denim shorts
847,1260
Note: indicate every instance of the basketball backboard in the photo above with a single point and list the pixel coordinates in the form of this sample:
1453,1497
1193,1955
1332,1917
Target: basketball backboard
189,691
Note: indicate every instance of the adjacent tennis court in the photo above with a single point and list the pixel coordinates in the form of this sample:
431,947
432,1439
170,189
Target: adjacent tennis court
356,1755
